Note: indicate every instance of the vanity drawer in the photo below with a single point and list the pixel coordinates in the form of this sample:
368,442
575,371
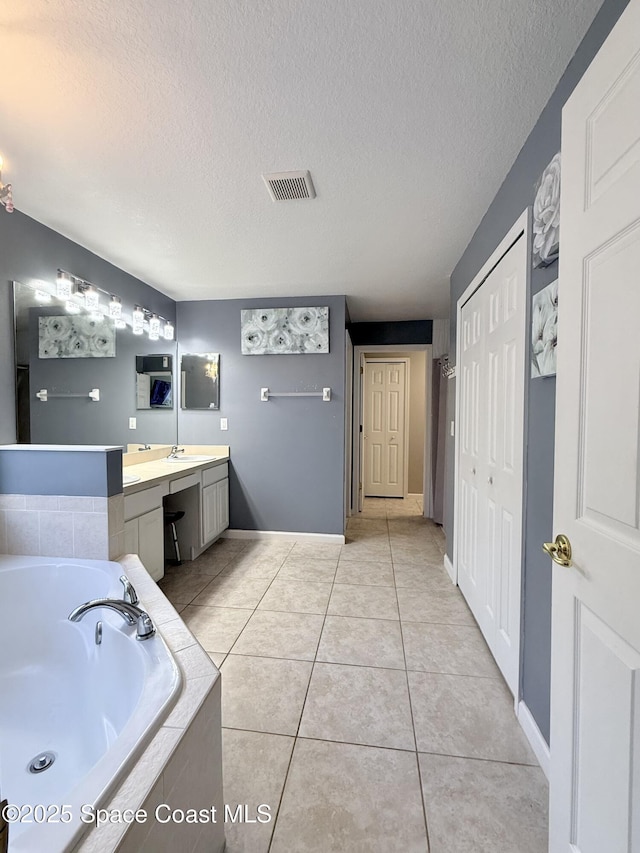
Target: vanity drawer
215,474
141,502
184,483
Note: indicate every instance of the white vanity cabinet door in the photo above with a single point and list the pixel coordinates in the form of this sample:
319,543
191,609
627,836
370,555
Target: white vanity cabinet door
144,536
151,542
215,510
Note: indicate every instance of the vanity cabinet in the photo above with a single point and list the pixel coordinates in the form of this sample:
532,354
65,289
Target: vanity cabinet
215,502
144,536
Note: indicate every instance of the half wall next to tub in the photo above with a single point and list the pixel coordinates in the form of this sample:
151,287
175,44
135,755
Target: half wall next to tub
288,453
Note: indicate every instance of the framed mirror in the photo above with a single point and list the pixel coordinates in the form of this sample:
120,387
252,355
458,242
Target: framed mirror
154,381
200,381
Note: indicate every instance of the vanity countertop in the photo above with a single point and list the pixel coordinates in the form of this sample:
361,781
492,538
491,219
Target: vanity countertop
154,468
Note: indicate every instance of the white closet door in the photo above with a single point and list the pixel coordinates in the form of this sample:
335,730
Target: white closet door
491,456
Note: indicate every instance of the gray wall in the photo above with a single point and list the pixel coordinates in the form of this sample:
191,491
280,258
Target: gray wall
287,455
30,251
515,194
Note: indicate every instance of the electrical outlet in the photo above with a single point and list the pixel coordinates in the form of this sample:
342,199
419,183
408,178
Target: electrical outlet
133,423
224,423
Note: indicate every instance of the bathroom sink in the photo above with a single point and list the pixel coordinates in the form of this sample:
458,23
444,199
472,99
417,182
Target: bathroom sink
193,458
127,479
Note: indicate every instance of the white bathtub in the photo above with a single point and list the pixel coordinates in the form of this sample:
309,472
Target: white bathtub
94,706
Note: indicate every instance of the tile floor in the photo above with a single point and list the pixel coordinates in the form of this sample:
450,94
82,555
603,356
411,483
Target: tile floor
360,701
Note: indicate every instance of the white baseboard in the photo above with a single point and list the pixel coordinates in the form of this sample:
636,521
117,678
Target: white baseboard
450,570
534,736
417,495
285,536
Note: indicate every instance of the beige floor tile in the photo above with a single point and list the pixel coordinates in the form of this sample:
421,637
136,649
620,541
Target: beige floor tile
469,717
268,548
368,573
358,704
280,635
453,649
416,555
437,605
228,591
372,602
484,806
296,596
315,551
360,523
182,589
217,658
341,798
364,642
367,550
247,566
301,569
254,766
263,694
420,577
215,628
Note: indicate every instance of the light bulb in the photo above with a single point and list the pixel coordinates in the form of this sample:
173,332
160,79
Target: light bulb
64,285
137,320
154,327
115,308
91,298
168,331
119,323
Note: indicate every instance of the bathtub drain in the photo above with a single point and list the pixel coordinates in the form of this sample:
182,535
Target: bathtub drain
42,762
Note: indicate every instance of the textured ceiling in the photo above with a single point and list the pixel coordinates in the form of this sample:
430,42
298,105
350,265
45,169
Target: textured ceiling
141,130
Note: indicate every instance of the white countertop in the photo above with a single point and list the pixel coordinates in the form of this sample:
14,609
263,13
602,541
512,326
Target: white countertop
158,470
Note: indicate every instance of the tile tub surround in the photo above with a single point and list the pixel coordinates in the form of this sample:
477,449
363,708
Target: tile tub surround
358,700
181,765
62,526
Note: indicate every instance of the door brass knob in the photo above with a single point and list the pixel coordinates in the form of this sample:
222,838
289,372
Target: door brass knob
560,550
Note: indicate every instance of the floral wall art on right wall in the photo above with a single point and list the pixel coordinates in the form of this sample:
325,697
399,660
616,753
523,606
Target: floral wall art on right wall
546,216
544,331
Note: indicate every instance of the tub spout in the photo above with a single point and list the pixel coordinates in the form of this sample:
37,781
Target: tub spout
131,613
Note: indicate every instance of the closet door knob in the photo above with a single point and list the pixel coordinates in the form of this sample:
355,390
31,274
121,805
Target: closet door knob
490,481
473,471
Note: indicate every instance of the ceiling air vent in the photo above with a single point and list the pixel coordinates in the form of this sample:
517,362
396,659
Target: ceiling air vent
285,186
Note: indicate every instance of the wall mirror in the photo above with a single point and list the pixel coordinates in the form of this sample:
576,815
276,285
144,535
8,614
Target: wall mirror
200,380
154,381
64,357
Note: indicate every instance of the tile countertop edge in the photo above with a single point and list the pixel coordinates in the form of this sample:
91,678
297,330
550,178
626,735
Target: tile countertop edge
199,675
160,471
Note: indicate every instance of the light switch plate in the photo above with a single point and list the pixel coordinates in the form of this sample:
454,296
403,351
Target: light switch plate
132,423
224,423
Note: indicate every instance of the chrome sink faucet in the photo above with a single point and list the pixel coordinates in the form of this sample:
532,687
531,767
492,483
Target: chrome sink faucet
131,613
175,450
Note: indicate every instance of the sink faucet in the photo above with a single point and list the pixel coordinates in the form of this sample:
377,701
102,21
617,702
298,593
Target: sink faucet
145,447
131,614
175,450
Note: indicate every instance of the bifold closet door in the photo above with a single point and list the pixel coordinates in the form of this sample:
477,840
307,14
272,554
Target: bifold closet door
491,456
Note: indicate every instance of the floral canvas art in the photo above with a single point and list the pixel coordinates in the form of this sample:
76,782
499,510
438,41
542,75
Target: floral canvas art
546,216
544,331
75,337
285,331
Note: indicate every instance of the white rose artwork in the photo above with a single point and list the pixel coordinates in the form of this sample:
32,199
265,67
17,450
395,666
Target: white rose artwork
285,331
544,331
75,337
546,216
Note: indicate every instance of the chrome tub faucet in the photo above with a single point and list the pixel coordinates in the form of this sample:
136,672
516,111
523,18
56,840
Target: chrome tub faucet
131,613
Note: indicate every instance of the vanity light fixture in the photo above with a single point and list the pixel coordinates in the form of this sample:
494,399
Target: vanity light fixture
120,323
6,197
137,320
43,296
64,285
168,331
72,307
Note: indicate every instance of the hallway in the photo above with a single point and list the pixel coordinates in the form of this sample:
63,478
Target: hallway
359,700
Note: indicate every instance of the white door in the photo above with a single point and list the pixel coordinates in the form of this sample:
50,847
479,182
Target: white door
595,695
384,428
492,366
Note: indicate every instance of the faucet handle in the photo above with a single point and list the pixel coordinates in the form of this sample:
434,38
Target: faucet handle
146,628
129,593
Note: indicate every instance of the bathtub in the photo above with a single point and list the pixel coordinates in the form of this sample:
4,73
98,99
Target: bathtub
94,707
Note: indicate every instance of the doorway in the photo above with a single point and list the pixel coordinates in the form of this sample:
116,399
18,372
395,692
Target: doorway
416,467
385,425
